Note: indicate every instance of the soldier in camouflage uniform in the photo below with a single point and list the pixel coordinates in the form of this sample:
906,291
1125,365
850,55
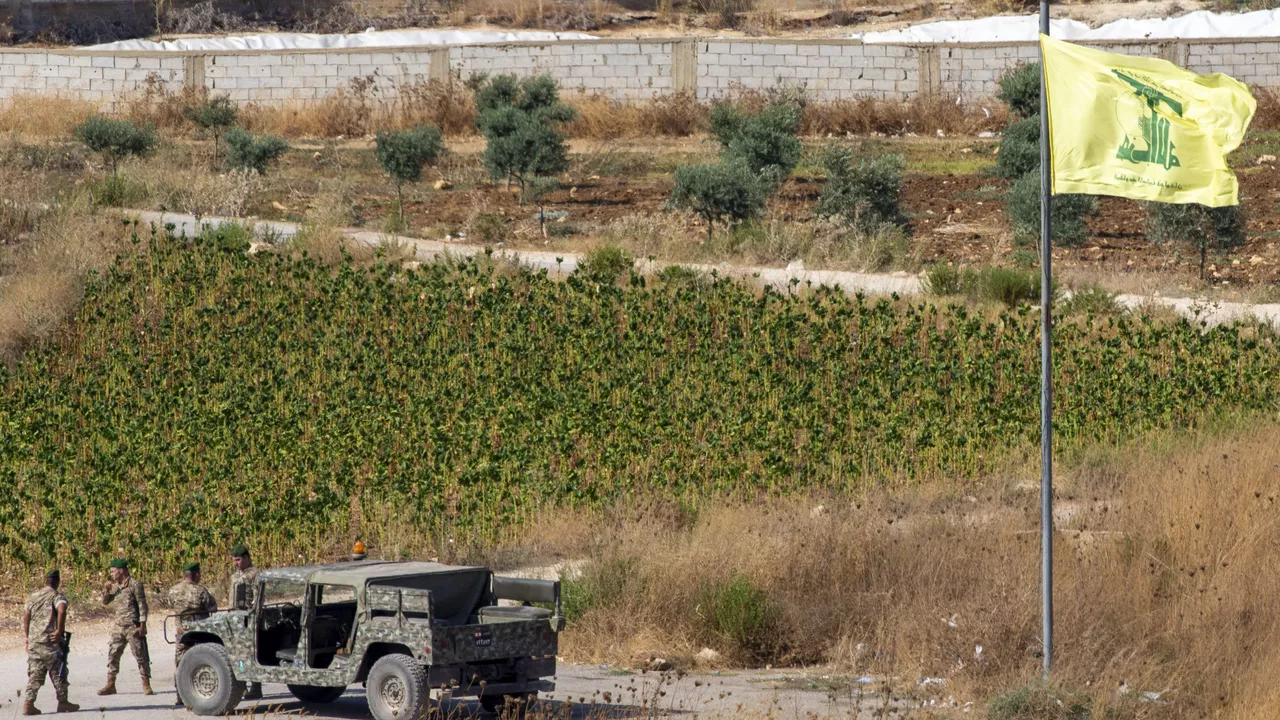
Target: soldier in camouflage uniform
191,601
130,625
47,651
245,573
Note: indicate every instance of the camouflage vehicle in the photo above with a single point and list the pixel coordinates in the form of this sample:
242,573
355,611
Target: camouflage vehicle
404,629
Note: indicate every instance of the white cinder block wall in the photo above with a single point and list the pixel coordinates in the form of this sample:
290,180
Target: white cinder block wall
616,68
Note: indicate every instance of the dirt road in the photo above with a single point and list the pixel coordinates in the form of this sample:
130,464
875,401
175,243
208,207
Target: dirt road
582,691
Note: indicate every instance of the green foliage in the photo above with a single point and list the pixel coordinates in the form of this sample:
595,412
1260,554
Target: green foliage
116,139
1019,149
402,155
116,191
1020,90
1203,228
1008,286
228,237
727,190
682,276
214,115
246,152
866,193
605,265
601,584
742,613
943,280
766,142
198,396
1068,213
1092,300
520,121
1038,701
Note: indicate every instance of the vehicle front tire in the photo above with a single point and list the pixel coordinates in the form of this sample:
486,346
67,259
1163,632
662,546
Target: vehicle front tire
508,707
397,689
206,684
316,694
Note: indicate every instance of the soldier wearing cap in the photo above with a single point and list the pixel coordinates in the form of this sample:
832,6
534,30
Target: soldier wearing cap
130,625
191,601
246,574
47,651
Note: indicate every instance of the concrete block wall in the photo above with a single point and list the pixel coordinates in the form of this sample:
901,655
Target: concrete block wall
617,68
827,69
622,69
98,78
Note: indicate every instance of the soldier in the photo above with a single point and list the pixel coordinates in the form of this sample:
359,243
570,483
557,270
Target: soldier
130,625
245,573
191,601
47,652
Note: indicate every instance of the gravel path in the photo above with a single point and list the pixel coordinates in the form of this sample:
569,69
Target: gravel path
585,692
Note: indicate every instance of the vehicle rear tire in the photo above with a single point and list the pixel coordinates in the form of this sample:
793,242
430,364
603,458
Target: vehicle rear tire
508,707
316,694
206,684
397,689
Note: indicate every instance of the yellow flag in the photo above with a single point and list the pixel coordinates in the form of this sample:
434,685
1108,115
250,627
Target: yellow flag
1142,128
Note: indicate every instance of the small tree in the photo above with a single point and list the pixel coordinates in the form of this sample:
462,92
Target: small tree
1019,149
246,152
1202,227
214,115
865,193
520,121
402,155
115,139
1068,213
1020,90
538,189
766,142
728,189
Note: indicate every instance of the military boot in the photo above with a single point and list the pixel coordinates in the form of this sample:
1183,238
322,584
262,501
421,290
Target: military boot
67,706
110,687
146,686
29,708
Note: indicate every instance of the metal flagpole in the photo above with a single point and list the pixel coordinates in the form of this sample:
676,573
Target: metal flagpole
1046,362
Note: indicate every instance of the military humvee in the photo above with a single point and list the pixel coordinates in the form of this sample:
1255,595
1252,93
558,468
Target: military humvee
404,629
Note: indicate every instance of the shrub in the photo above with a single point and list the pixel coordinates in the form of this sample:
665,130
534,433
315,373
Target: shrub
116,139
1009,286
1068,213
605,265
766,142
213,115
742,613
246,152
725,190
947,280
228,236
1092,300
1019,149
1204,228
116,191
600,584
403,153
865,194
683,276
1039,702
1020,90
520,120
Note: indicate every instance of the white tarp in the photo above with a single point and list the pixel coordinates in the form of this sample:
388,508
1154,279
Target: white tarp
1200,24
369,39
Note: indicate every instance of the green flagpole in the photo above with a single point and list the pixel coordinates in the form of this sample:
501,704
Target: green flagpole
1046,362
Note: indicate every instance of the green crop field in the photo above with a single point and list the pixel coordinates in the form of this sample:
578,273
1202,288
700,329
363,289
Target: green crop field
200,395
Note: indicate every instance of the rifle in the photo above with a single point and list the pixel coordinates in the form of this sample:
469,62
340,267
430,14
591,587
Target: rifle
59,669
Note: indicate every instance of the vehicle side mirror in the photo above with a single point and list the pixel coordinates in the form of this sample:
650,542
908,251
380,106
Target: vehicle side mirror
241,599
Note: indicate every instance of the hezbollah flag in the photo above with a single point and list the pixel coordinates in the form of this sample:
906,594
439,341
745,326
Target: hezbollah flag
1142,128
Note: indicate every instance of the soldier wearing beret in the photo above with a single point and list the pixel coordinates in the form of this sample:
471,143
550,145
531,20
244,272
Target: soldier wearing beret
191,601
47,647
129,625
245,573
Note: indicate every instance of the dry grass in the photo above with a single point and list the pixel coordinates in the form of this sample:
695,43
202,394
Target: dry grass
1165,579
41,116
42,276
